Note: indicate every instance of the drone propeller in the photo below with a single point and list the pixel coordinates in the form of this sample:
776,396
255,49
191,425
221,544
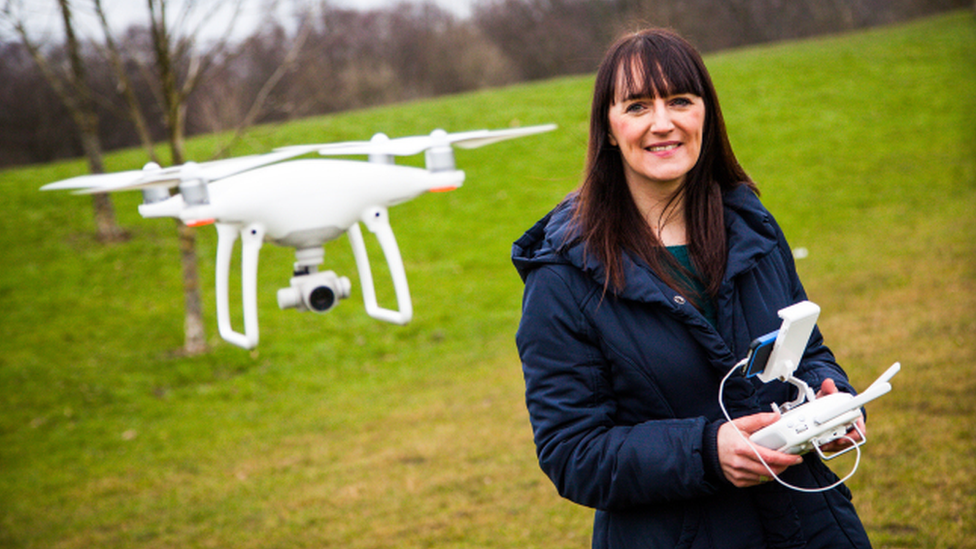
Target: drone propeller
154,176
408,146
91,181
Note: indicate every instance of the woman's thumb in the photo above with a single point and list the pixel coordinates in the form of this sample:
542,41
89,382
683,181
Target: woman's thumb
752,423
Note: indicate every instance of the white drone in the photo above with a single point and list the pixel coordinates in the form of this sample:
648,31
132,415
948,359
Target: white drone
302,204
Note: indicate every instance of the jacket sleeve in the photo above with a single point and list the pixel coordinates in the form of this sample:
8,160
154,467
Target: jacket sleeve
590,459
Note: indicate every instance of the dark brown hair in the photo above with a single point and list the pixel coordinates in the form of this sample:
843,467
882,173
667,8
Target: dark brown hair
656,63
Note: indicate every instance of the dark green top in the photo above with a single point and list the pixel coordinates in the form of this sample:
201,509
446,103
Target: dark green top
706,306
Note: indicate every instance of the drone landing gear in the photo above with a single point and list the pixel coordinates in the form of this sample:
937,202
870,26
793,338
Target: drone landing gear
377,220
252,237
311,290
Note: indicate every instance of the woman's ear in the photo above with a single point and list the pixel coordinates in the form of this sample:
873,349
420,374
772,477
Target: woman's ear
610,137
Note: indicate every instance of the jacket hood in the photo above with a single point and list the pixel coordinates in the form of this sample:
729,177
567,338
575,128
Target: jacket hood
750,230
547,240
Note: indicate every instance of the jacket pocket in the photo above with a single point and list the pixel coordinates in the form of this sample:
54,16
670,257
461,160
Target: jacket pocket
673,526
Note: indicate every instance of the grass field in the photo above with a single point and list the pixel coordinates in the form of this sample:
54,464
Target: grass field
341,431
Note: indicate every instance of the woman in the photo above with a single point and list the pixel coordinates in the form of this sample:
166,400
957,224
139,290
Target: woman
642,290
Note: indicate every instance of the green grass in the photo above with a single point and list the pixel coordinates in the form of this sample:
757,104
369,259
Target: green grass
341,431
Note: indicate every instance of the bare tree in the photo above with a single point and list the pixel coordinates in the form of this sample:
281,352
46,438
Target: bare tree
433,53
544,38
72,88
354,59
31,114
178,65
125,85
171,90
286,64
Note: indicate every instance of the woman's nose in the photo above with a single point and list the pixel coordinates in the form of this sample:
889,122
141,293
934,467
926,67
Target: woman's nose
661,121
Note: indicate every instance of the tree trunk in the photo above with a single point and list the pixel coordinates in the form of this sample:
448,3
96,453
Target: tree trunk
195,336
194,333
106,227
78,99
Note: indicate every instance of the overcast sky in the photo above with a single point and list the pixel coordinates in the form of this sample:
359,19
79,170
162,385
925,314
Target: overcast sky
460,7
44,18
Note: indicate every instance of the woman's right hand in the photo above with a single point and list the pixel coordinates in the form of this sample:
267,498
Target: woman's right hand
738,459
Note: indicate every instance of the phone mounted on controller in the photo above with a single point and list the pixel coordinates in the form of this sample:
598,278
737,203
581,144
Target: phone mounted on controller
807,422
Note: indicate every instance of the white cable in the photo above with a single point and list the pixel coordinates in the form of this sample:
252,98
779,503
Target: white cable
721,404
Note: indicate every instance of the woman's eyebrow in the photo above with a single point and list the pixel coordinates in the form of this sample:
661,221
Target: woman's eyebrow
635,96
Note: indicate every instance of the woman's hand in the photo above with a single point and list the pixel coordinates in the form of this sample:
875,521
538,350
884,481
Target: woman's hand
828,387
738,459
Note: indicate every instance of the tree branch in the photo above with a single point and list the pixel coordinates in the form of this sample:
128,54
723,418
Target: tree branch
259,101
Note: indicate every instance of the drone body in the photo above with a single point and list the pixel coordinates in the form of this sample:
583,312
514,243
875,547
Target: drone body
300,204
293,199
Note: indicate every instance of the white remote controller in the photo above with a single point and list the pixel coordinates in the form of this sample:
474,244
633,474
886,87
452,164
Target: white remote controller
811,425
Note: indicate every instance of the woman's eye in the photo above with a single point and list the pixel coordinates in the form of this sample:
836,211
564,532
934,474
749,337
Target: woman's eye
634,107
682,101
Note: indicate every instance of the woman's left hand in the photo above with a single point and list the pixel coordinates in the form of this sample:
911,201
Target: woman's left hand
828,387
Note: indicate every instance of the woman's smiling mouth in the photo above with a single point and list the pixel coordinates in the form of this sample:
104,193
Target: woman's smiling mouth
663,147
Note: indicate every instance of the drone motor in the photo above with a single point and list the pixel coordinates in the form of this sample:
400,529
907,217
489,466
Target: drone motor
439,157
156,193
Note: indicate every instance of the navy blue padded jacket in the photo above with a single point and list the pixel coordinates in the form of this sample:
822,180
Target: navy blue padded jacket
622,388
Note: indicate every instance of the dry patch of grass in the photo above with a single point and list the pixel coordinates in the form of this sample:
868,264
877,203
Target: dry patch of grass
916,486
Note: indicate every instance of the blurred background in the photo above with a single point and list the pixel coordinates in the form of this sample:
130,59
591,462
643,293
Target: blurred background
342,55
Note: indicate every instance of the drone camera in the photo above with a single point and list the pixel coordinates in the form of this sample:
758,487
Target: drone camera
316,292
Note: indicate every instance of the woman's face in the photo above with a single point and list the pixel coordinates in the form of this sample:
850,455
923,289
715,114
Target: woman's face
660,138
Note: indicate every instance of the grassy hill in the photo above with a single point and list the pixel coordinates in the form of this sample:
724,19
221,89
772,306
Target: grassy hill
341,431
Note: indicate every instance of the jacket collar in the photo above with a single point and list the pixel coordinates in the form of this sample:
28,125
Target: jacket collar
750,230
